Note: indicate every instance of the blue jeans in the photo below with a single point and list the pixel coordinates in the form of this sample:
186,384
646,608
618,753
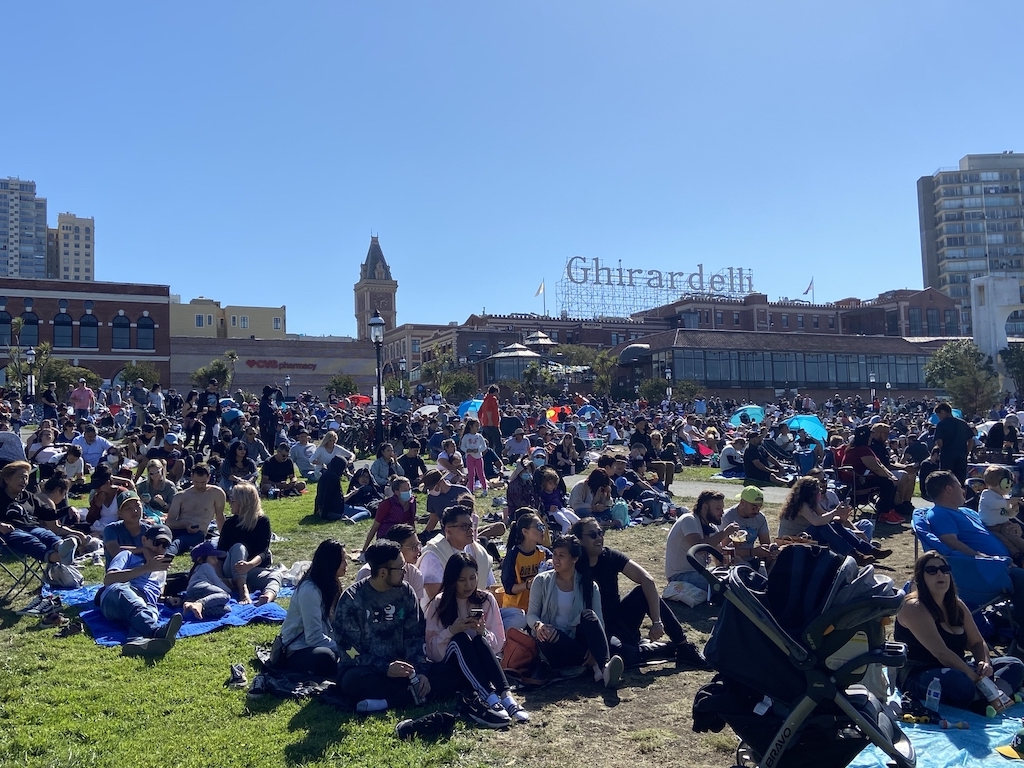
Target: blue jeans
259,579
35,542
842,540
690,577
355,514
957,688
184,540
124,605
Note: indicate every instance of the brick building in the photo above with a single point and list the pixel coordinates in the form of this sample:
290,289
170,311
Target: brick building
99,326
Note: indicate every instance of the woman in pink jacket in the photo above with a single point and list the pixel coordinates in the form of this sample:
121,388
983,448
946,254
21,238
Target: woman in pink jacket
464,632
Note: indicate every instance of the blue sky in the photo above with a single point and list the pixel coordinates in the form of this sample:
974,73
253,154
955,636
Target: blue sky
246,151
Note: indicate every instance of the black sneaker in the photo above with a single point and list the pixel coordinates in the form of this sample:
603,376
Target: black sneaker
238,678
689,658
436,725
477,710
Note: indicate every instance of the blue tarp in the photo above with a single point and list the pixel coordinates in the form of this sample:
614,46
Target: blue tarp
937,748
754,412
469,405
810,424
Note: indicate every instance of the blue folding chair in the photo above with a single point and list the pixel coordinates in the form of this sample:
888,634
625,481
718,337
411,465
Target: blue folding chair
26,570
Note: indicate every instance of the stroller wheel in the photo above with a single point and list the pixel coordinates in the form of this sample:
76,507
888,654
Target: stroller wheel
745,757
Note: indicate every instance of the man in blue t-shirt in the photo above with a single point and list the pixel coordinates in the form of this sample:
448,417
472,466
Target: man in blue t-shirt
131,593
960,528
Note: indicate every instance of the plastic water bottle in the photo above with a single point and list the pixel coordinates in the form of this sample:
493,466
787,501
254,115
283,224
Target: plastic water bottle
934,694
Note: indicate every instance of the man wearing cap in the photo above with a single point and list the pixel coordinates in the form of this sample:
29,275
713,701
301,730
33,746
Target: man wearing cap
49,401
82,400
209,412
301,453
277,473
140,398
131,592
517,446
750,519
93,446
193,509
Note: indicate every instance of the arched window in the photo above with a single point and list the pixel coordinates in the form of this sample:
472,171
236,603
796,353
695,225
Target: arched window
122,333
5,328
29,330
63,331
145,333
88,332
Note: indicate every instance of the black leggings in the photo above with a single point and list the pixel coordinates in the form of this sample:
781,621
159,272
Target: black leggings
321,663
571,650
624,622
358,683
474,660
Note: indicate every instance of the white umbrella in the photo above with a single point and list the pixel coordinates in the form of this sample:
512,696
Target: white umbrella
426,410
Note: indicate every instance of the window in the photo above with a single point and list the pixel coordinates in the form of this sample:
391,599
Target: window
799,321
121,336
199,321
932,316
5,328
815,321
785,321
29,330
415,345
277,323
914,316
63,331
234,321
88,332
209,320
145,334
244,321
554,336
735,318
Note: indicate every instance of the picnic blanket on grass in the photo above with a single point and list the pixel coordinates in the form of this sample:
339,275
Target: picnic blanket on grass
109,633
937,748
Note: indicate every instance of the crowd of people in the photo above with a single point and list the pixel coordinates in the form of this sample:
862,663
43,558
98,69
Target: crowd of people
444,586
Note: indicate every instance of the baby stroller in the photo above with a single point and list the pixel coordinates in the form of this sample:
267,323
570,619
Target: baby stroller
790,650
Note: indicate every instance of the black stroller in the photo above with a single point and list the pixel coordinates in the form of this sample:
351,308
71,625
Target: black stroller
790,651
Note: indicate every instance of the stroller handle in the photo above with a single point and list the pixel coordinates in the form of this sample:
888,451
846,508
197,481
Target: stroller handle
692,557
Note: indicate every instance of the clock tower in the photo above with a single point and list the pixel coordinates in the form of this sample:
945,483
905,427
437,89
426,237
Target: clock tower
375,291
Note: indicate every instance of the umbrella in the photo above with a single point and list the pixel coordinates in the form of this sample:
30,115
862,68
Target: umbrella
586,410
359,399
227,402
810,424
426,410
552,413
469,405
934,419
754,412
399,405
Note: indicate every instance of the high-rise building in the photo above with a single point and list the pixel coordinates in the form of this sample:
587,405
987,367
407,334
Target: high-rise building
77,248
22,230
972,224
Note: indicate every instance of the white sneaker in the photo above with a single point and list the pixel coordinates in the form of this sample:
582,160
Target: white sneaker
613,672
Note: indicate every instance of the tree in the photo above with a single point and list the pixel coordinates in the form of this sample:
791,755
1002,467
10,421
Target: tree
1013,361
218,369
144,370
540,381
966,373
653,390
460,385
573,354
232,357
603,367
342,384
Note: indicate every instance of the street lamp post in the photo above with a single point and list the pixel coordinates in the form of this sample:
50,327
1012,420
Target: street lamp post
401,376
871,379
30,382
377,337
287,385
668,384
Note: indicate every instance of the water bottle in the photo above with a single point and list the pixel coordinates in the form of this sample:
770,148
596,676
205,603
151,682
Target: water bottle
414,690
934,694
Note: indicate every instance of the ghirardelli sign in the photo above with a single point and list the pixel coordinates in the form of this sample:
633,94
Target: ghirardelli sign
731,280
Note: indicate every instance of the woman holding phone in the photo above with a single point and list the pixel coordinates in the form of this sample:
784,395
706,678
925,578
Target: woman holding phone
464,632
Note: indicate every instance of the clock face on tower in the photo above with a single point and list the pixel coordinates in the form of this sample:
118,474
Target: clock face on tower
380,302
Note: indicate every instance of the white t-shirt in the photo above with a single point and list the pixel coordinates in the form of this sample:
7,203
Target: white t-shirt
322,456
433,570
676,546
993,508
563,610
730,458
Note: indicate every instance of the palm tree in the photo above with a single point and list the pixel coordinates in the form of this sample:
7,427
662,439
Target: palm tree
232,357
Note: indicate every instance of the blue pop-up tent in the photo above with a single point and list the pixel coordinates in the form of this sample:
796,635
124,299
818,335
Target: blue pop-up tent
810,424
754,412
586,410
469,405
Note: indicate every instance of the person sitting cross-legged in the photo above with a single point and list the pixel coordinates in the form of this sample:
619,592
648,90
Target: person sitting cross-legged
20,523
380,633
131,592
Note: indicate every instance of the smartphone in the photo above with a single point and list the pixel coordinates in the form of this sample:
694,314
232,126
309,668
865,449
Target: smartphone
476,613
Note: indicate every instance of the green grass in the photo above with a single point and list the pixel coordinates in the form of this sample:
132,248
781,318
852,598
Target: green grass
73,703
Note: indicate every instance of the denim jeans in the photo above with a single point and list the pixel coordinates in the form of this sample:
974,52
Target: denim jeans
184,540
957,688
841,539
205,588
124,605
258,579
35,542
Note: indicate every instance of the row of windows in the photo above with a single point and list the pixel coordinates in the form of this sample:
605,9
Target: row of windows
789,369
237,321
88,332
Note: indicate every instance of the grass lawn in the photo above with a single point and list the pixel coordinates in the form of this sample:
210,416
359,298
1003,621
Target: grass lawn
72,703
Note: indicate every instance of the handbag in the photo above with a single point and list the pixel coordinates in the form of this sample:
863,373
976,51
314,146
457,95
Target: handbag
279,651
521,654
63,576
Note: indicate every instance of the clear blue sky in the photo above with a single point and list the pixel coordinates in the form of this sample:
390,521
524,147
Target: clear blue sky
245,151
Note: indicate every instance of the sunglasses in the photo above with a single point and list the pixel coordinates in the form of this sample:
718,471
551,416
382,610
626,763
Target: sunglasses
541,527
931,570
162,544
461,526
595,534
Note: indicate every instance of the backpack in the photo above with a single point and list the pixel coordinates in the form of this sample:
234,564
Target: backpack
63,576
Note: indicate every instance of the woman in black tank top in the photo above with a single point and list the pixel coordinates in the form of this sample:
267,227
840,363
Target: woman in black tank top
939,630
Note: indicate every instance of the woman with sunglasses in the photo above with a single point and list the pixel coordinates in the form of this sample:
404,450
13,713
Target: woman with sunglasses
938,630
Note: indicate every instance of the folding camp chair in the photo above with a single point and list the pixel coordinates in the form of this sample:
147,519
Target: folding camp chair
24,570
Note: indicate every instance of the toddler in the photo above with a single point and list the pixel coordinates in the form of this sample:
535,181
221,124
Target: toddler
998,510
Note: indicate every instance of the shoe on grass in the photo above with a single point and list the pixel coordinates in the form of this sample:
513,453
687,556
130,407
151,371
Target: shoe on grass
477,710
54,619
688,657
436,725
612,674
147,647
32,609
169,631
74,627
892,517
237,678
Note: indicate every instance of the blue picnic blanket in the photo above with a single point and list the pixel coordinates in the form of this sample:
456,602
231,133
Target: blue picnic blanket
937,748
109,633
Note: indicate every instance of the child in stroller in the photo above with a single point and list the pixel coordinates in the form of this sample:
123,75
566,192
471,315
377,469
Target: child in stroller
790,650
